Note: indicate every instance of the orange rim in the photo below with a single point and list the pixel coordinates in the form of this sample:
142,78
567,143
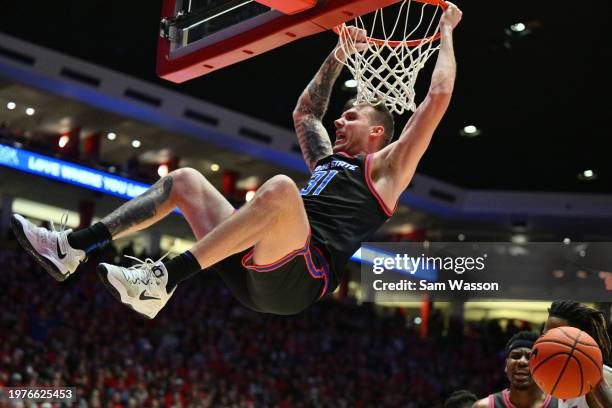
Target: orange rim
409,43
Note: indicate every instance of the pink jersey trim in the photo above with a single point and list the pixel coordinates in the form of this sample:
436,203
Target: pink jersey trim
370,185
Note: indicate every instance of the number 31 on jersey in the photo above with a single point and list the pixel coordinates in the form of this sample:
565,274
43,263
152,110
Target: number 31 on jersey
318,181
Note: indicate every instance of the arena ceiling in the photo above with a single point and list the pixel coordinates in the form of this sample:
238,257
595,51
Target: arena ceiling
531,94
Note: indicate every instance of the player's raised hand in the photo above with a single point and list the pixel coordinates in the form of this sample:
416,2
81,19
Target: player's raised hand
452,16
355,37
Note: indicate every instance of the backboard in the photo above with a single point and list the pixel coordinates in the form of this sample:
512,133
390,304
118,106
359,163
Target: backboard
200,36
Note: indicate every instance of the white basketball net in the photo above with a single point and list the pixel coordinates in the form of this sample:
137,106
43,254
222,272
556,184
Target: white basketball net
387,74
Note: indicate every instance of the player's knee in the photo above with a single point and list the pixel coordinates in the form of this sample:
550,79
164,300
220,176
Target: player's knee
185,180
277,191
185,175
284,185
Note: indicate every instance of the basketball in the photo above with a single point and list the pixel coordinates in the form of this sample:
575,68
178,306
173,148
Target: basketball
566,363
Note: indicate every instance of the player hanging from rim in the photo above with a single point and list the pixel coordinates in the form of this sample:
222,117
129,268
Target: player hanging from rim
285,248
523,391
592,322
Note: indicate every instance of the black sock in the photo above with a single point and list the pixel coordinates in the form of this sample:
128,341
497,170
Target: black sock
90,238
180,268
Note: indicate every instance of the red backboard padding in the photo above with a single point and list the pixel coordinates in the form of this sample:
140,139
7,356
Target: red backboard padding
289,6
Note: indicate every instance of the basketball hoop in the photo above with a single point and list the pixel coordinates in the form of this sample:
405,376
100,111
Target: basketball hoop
387,70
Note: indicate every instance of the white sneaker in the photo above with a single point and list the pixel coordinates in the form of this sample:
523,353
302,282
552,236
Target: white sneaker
50,248
141,287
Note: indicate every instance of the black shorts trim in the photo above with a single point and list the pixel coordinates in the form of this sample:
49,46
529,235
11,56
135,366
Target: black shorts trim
284,287
306,251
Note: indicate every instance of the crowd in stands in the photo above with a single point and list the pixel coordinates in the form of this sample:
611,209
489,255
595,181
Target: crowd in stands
205,350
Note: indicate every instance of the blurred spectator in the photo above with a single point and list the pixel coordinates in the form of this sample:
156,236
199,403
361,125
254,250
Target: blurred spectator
461,399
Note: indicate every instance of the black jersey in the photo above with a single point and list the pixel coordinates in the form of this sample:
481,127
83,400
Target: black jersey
343,208
502,400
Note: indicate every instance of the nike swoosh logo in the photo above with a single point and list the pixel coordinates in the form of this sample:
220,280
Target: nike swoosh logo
145,297
59,251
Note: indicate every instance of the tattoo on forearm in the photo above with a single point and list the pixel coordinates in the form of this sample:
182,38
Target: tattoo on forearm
315,99
140,208
312,106
313,140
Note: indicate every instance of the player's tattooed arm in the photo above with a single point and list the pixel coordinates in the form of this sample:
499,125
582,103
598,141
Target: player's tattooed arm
311,107
313,139
140,209
315,98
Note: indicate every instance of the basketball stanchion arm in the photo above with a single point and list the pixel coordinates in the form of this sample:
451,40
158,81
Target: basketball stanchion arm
184,20
245,39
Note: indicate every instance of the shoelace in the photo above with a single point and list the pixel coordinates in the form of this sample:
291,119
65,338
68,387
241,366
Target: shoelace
63,223
141,272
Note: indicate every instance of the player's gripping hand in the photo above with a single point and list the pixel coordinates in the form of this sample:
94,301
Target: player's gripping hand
352,35
451,17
